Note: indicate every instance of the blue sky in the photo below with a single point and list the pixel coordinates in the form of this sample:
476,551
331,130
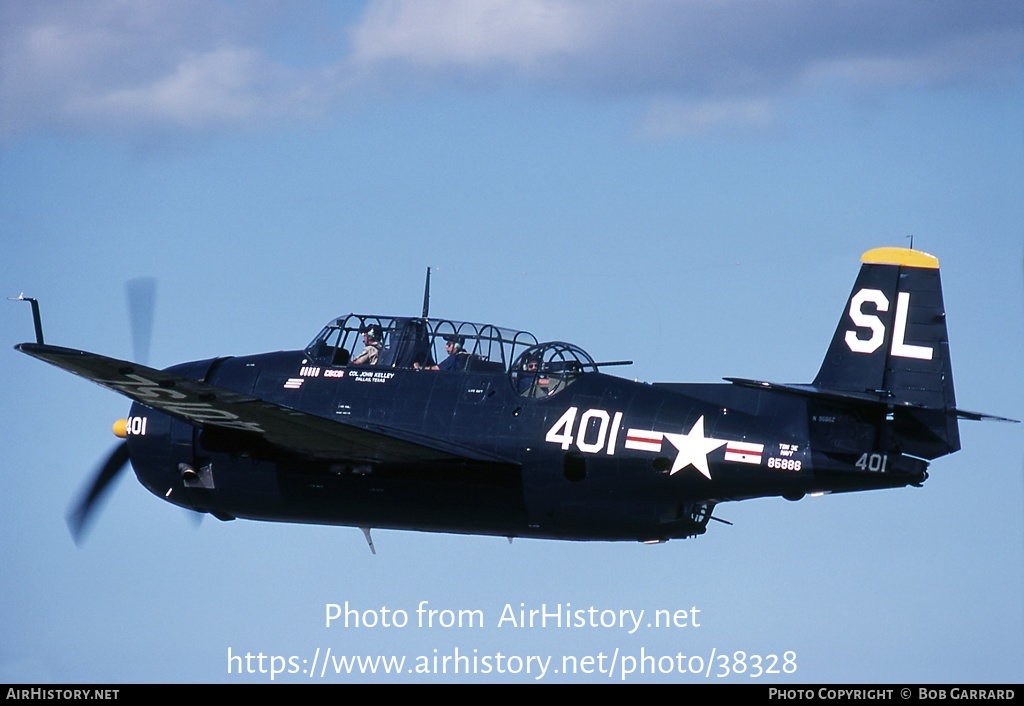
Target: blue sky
685,184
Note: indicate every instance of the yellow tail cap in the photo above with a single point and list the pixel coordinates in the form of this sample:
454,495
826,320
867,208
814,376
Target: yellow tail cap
900,256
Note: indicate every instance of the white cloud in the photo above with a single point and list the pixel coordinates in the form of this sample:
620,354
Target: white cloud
142,66
216,86
989,55
696,48
201,64
473,33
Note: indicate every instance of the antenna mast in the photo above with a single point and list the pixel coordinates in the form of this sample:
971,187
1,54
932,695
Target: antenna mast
426,295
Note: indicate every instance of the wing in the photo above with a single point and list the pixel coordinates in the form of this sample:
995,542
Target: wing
210,407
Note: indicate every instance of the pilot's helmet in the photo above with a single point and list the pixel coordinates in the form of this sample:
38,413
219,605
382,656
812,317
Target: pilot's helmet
457,340
372,331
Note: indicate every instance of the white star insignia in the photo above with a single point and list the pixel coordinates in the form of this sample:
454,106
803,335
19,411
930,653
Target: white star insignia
693,449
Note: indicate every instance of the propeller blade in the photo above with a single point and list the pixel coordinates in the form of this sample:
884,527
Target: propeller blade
79,517
141,293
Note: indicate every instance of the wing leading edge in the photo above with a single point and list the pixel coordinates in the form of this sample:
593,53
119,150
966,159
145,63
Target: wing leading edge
210,407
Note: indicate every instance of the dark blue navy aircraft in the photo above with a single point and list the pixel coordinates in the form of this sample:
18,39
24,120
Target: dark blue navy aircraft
371,425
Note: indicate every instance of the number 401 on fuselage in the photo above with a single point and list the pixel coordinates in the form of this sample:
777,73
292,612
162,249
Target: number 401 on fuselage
504,435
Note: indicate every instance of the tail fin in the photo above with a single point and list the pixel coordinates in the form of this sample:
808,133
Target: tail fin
892,340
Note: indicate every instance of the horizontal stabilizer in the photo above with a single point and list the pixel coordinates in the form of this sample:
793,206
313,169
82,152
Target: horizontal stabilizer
982,417
849,397
881,397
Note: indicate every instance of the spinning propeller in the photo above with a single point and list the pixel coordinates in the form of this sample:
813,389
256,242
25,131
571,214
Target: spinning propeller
141,295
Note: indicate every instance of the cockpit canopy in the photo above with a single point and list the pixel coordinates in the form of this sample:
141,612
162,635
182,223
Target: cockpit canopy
548,368
534,369
416,342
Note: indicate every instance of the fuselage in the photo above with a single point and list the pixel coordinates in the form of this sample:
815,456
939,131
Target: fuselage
602,458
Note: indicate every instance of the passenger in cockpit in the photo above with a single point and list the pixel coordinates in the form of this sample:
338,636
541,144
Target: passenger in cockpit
533,382
527,377
371,339
457,357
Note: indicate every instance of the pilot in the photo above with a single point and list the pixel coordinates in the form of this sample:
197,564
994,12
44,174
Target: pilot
371,339
457,357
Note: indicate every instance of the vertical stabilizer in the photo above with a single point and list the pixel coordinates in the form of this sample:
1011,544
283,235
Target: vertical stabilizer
892,340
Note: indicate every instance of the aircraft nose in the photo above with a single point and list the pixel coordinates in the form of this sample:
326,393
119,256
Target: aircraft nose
156,451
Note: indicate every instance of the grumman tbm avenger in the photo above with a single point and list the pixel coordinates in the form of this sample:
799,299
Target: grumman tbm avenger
510,436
